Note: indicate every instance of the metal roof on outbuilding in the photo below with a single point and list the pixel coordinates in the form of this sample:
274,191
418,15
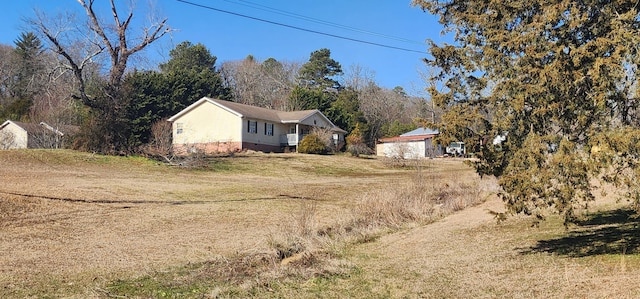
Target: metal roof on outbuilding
421,131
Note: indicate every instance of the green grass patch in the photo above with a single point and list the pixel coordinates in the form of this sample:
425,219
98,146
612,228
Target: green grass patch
157,285
197,281
601,233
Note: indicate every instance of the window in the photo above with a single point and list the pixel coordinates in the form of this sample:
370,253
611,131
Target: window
268,129
253,127
179,128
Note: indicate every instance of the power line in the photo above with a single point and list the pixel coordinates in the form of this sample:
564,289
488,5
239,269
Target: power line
319,21
300,28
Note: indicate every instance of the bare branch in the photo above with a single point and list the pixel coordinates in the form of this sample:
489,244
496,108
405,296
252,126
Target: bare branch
96,24
60,50
156,34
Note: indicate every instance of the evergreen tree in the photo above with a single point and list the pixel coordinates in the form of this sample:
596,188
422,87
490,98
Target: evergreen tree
318,88
320,71
26,80
187,77
193,71
306,99
345,112
187,57
28,49
556,80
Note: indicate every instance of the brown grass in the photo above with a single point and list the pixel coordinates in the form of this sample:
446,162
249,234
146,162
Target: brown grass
71,220
289,226
420,198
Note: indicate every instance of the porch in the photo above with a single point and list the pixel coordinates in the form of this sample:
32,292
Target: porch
291,139
298,131
295,134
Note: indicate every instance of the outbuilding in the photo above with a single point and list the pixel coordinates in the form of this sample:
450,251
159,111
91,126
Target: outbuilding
415,144
16,135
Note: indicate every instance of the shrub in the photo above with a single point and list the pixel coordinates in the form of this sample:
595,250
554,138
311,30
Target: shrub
326,136
160,145
312,144
355,143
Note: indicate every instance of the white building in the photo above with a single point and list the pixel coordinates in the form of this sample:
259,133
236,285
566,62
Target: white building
415,144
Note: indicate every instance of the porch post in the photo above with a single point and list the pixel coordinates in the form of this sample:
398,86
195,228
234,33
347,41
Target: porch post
297,137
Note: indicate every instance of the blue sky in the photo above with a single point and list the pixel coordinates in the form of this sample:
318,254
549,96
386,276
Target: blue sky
232,37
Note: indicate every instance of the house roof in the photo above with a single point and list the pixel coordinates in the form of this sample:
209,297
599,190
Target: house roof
32,128
406,138
61,129
255,112
296,116
418,134
29,127
421,131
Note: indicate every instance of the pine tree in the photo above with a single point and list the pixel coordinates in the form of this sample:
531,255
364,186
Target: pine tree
319,71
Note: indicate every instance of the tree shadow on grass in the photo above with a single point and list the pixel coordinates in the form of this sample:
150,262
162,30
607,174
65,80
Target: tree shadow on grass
609,232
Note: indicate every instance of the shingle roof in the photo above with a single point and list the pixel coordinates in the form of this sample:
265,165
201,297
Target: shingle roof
264,113
295,116
64,129
33,128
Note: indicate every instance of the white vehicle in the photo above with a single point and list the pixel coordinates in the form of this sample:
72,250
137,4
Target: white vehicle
456,149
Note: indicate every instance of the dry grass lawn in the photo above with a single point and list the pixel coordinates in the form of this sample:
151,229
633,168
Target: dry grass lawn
469,255
80,225
72,220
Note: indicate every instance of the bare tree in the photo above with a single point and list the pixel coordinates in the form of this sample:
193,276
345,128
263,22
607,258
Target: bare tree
53,103
382,106
428,109
46,137
265,84
7,72
328,138
243,77
358,77
97,38
81,49
161,141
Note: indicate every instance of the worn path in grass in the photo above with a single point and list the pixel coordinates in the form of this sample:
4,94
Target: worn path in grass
469,255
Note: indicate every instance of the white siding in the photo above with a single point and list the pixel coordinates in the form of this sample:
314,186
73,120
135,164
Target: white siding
12,137
260,137
405,150
316,120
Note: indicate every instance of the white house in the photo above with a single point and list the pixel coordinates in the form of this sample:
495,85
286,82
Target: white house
215,126
415,144
15,134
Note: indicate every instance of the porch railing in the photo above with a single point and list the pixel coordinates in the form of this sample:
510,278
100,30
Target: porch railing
290,139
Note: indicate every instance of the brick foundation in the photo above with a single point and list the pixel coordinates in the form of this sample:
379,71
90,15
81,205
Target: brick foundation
262,147
224,147
207,148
